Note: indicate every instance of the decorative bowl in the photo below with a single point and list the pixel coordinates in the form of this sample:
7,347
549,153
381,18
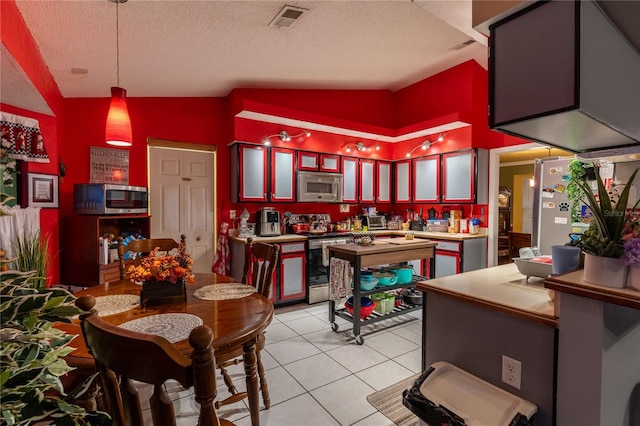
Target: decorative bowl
365,311
363,238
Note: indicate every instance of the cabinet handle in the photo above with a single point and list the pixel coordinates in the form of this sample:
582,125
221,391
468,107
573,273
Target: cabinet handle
186,179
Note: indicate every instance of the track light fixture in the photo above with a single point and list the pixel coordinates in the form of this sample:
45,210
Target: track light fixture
284,136
358,146
426,144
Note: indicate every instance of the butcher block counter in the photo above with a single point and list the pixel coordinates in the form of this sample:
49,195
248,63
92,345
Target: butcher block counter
474,319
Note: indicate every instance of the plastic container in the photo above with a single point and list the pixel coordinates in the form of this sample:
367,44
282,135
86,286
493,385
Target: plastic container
385,302
445,392
565,259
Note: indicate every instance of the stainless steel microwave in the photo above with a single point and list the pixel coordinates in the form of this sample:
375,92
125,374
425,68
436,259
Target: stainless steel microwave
103,198
320,187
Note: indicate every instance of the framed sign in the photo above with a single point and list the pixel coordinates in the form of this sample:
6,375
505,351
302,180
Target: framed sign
42,190
109,166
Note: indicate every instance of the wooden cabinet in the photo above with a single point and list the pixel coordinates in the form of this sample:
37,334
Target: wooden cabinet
307,160
350,181
403,181
426,179
367,181
80,251
282,175
383,181
329,163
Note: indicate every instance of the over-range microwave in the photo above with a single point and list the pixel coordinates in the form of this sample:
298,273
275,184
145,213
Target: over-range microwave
103,198
320,187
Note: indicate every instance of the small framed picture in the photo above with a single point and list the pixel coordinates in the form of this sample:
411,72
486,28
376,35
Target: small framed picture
42,190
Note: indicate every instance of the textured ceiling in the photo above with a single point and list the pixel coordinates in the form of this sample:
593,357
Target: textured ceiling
206,48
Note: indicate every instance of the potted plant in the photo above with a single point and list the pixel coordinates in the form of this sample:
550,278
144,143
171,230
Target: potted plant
603,242
32,355
32,254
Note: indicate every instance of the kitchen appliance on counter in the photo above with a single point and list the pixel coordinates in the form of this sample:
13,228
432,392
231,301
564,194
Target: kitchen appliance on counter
374,222
268,222
103,198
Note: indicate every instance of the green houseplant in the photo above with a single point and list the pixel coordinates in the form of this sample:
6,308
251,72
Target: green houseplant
32,355
610,223
32,254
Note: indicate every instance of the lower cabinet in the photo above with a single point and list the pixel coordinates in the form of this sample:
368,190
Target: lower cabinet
291,272
454,257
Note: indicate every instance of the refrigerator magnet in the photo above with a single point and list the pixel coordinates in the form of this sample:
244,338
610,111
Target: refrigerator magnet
561,220
548,205
548,191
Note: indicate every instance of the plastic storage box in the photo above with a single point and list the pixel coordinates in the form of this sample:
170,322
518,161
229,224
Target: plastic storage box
446,394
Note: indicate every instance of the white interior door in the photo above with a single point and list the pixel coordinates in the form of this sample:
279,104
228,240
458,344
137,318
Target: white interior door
181,193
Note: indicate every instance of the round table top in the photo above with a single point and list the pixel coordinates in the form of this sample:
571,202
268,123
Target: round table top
233,321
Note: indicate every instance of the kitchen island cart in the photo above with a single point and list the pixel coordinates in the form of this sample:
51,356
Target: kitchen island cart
381,252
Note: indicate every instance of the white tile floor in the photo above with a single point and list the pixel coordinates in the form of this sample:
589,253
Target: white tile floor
320,377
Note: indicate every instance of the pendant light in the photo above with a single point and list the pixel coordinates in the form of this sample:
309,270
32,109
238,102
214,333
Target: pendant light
118,128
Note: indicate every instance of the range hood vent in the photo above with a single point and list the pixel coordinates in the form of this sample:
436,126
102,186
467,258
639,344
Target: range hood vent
561,74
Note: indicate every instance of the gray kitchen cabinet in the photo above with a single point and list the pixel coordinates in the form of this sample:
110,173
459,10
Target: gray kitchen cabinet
454,257
426,179
403,181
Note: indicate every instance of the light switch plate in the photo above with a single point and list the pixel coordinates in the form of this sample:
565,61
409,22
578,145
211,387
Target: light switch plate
344,208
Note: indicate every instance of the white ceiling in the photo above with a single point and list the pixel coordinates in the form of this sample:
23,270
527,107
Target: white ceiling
203,48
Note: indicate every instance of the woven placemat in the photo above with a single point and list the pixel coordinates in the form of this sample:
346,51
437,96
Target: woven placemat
224,291
389,402
116,303
173,327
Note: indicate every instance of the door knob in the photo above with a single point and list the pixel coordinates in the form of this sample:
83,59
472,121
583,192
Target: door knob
197,238
186,179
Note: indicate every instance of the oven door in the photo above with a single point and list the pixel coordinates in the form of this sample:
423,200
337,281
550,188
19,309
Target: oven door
318,257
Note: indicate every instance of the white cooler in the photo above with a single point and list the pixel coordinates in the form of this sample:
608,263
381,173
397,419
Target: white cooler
447,395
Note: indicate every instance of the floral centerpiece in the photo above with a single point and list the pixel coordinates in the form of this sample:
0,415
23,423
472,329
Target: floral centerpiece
163,276
171,268
632,259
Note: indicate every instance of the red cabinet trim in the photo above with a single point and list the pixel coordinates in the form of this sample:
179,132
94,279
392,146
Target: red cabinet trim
379,164
436,160
302,155
241,195
274,174
283,277
409,181
472,180
325,168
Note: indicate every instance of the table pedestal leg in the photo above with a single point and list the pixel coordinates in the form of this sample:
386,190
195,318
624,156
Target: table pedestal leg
251,369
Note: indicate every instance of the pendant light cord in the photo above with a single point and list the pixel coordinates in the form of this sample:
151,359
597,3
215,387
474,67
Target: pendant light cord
118,43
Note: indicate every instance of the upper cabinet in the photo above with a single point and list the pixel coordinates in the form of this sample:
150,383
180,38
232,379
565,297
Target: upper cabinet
465,177
248,173
282,175
307,160
329,163
383,181
403,181
367,181
351,179
426,179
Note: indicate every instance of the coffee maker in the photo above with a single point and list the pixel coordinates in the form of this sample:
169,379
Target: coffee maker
268,222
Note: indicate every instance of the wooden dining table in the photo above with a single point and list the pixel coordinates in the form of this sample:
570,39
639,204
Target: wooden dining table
235,322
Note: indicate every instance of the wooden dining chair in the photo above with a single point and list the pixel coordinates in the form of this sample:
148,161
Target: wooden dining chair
261,259
144,247
518,240
124,356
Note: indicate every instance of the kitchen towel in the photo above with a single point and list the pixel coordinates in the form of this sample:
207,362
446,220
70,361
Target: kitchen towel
325,249
339,279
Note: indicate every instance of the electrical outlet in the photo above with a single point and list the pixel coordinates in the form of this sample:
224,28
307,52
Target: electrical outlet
344,208
232,214
511,371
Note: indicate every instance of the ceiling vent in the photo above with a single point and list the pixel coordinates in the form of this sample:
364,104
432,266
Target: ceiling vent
287,16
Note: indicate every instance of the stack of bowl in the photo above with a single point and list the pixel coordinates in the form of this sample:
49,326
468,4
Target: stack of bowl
366,306
367,280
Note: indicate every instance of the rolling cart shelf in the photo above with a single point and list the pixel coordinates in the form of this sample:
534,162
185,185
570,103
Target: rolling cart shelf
375,255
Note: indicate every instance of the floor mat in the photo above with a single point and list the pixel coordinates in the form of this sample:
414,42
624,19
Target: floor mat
389,402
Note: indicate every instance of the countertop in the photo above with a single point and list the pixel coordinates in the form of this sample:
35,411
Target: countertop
573,283
386,232
499,288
